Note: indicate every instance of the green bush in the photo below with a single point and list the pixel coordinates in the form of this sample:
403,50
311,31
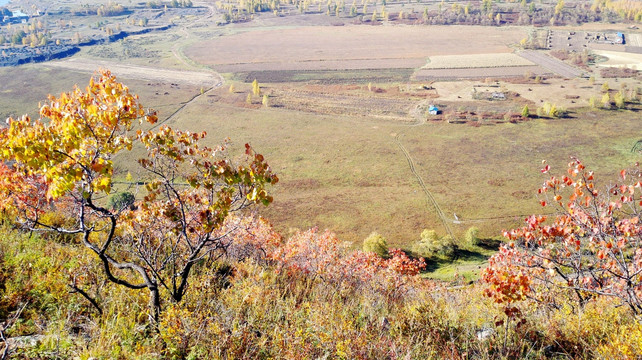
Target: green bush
472,236
121,201
431,245
377,244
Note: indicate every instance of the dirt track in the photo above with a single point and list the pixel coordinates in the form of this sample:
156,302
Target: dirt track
139,72
431,199
551,64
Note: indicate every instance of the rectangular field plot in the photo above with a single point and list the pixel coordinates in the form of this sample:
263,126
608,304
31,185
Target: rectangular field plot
477,73
326,76
633,39
476,61
323,65
319,48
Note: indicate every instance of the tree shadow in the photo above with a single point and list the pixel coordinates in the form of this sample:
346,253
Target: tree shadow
434,263
467,255
489,244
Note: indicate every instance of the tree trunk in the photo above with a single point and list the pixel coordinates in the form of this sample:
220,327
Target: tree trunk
154,305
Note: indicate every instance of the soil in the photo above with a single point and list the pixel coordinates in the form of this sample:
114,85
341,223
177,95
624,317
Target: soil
349,47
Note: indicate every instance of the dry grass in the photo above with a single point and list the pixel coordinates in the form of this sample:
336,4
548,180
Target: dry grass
620,59
145,73
346,173
24,89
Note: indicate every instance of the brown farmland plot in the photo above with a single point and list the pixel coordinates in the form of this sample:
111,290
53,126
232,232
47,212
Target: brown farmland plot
348,47
477,73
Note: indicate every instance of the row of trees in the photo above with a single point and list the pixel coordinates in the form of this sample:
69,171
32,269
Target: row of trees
430,244
170,4
611,99
21,38
486,13
625,9
110,9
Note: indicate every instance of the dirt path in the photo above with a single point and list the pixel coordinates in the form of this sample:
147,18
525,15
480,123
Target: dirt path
445,221
178,54
210,79
177,47
558,67
417,112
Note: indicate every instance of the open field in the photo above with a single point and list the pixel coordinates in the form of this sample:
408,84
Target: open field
334,143
346,173
620,59
334,148
327,76
25,87
634,40
477,66
347,104
348,47
194,78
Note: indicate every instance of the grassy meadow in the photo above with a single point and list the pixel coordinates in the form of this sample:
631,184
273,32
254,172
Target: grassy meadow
347,173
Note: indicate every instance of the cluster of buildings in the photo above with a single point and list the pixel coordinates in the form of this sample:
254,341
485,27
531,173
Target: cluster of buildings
13,17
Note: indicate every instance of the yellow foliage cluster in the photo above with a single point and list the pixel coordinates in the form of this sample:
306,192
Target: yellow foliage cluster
626,9
83,132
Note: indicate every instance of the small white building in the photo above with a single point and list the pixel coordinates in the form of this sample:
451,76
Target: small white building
496,95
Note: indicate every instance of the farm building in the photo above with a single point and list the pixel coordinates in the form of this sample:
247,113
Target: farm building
433,110
498,95
619,38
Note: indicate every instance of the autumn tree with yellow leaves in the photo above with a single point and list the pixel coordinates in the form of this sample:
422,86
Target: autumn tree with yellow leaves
64,162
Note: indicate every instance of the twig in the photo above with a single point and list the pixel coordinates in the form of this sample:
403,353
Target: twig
86,296
5,351
8,325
